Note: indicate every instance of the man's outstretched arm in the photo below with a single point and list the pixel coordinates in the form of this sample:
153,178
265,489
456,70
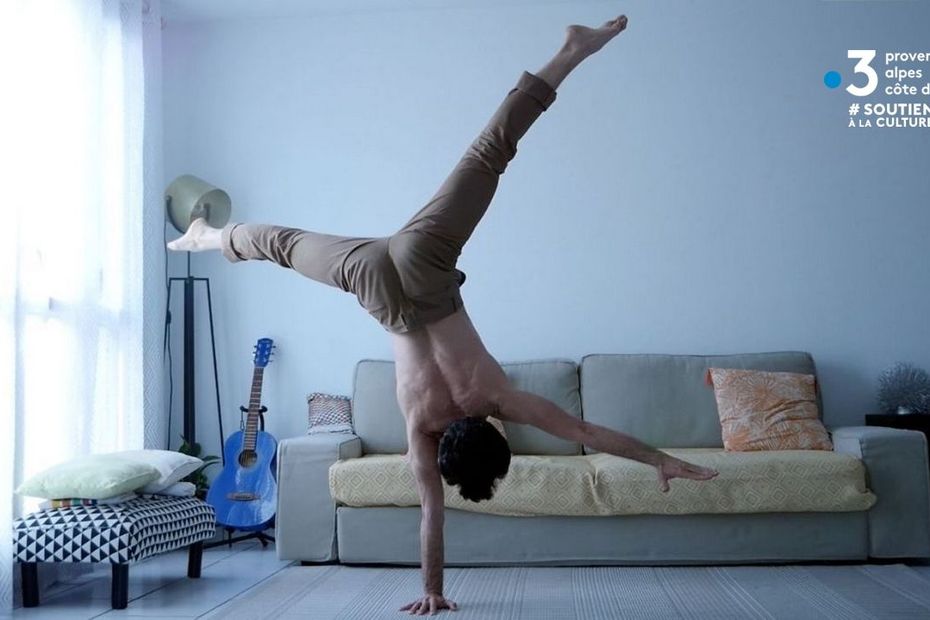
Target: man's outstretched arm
527,408
424,451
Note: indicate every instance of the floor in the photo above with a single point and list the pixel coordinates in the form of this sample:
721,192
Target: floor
159,588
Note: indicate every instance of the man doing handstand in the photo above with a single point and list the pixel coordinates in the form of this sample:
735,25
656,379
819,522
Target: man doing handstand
447,382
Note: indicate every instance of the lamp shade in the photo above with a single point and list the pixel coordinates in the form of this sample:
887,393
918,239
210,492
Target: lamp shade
189,197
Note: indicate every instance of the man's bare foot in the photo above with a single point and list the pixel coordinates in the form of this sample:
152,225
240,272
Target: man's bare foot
584,41
580,42
199,237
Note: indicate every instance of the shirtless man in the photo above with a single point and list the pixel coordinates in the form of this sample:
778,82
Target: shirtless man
447,382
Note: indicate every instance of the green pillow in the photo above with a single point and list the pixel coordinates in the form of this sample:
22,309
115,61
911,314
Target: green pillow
97,476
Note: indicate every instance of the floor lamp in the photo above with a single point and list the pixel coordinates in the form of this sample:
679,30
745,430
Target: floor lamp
186,199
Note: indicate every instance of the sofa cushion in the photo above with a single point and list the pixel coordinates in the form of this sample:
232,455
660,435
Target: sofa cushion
556,380
762,410
601,484
663,400
380,424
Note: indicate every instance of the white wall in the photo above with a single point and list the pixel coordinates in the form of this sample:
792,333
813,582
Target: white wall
694,189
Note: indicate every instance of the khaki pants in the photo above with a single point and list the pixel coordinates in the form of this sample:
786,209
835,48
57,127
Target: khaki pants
408,279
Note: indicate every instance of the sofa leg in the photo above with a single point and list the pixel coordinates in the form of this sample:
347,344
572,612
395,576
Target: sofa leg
119,589
30,583
194,560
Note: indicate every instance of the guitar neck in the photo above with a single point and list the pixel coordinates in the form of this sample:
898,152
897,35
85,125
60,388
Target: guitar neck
255,406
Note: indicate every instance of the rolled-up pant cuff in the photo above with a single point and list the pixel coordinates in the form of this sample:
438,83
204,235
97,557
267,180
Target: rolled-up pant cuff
227,248
537,88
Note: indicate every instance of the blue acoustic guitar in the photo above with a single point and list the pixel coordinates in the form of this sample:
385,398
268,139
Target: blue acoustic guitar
245,493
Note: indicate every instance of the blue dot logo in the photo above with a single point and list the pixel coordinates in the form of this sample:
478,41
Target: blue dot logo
832,79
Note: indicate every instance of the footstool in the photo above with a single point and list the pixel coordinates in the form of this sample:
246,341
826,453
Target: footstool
116,534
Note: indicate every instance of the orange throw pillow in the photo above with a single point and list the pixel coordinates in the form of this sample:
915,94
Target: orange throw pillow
768,410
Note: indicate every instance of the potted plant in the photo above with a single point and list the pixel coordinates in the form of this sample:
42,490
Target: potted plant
198,477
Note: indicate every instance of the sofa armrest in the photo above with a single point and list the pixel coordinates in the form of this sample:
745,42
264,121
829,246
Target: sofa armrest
305,526
897,472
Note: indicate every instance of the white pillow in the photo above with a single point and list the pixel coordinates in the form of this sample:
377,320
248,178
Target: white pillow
172,466
98,476
179,489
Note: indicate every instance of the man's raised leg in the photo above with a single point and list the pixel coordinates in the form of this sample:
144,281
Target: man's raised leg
314,255
437,233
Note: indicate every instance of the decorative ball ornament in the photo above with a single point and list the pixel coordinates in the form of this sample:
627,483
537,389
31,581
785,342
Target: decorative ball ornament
904,389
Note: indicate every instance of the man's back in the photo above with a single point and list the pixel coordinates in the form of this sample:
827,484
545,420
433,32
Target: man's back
444,372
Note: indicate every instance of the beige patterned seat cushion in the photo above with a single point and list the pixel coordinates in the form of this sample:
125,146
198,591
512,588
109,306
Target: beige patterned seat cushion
601,484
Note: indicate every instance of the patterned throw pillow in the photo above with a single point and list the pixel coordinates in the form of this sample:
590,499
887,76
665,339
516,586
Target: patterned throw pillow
768,410
329,414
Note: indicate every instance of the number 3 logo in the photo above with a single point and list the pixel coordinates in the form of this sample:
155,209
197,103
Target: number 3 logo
865,57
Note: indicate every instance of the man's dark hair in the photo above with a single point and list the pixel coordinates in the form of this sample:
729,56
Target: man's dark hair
473,455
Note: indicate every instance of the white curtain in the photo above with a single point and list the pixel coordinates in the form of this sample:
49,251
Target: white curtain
71,258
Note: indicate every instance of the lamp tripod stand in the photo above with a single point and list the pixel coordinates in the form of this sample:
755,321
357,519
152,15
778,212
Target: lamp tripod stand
189,425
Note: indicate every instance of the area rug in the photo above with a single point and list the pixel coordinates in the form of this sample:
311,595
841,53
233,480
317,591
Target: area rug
589,593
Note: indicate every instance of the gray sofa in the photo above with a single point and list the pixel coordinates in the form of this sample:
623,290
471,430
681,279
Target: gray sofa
661,399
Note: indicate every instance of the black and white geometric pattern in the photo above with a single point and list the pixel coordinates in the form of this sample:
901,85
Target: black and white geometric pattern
116,533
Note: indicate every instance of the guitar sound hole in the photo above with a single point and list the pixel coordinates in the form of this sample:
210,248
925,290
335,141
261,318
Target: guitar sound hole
247,458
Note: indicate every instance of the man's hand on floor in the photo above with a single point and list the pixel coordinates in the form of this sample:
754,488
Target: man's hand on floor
429,604
669,467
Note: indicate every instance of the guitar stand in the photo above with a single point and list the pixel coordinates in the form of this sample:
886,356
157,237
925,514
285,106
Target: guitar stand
261,416
262,537
230,539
